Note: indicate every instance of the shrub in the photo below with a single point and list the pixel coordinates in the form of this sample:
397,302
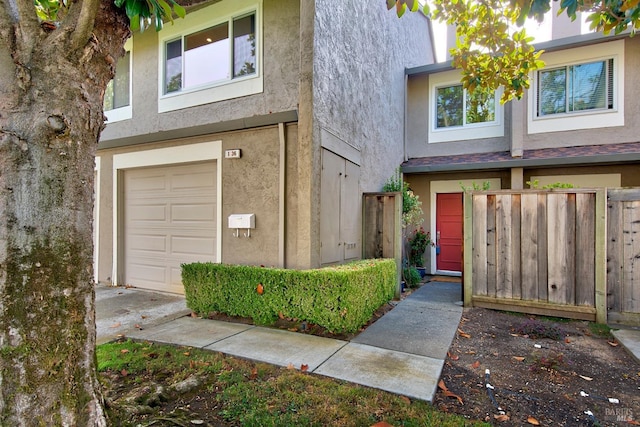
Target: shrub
341,298
412,277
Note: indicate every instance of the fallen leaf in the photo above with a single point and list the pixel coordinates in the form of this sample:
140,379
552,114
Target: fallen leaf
515,335
193,314
117,325
519,358
567,340
381,424
406,400
586,378
260,289
463,333
254,374
280,315
447,393
137,326
293,329
186,353
124,351
501,417
533,421
633,422
476,364
612,343
304,367
143,316
124,373
453,356
290,366
197,422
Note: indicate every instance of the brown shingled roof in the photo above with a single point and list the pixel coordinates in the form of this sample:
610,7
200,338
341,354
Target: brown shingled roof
589,154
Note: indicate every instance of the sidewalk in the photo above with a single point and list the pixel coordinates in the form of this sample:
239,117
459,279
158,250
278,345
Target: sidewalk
403,352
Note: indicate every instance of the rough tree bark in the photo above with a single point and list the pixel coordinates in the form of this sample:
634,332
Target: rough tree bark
52,81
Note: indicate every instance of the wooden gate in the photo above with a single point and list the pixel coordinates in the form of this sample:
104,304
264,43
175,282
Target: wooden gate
623,255
382,228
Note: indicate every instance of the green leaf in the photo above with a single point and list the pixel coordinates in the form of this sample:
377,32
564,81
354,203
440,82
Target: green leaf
179,10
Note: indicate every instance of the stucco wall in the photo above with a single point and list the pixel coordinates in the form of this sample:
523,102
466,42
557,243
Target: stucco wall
418,127
281,65
359,79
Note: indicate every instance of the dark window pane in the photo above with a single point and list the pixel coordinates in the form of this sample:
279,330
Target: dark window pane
481,107
244,45
121,82
449,106
173,67
552,91
588,86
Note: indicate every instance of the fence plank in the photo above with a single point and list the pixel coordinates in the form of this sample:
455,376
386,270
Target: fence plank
491,245
529,241
585,249
503,245
559,242
516,247
543,250
631,257
615,253
480,244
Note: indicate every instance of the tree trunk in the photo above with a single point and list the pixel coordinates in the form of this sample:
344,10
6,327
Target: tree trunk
50,120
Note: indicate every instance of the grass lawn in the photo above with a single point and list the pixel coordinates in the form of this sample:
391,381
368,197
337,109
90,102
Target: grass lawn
162,385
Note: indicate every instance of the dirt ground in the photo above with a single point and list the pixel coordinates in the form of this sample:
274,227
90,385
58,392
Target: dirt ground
503,369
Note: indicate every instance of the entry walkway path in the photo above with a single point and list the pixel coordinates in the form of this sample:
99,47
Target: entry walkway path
403,352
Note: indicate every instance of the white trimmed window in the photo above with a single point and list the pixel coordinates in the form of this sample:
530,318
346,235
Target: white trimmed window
117,96
580,88
457,114
212,55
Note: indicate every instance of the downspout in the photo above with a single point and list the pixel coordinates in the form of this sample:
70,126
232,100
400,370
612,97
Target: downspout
282,235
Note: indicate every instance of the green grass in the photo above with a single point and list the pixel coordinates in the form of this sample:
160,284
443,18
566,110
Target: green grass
257,394
600,329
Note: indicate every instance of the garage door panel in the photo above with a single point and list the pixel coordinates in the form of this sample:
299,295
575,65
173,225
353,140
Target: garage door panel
148,243
170,218
193,181
193,212
156,182
147,213
193,246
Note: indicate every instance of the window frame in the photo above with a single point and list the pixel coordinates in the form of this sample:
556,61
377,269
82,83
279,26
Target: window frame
581,119
125,112
208,17
466,131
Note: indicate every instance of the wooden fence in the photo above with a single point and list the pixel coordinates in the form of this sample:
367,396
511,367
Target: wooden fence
382,228
541,252
623,256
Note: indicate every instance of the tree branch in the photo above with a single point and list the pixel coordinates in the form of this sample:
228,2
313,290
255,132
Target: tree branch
84,23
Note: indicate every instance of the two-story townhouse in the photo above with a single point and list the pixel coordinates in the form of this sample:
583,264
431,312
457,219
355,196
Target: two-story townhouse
247,132
577,124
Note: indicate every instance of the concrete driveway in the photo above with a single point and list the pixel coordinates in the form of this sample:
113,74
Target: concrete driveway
120,310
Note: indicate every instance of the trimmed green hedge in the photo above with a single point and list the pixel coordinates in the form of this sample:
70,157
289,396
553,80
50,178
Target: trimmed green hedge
341,298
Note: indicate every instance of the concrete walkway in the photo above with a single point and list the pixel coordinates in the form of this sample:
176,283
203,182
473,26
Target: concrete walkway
403,352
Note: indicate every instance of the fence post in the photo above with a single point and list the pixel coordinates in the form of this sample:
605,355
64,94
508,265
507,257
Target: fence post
601,256
467,249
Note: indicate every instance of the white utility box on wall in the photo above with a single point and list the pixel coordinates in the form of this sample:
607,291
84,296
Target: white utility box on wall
242,221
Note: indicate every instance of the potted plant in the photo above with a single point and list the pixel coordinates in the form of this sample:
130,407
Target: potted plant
417,246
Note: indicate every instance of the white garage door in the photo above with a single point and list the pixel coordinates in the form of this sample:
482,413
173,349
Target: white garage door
169,219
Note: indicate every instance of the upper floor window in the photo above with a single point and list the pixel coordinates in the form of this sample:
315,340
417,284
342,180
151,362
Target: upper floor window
216,54
213,54
575,88
579,88
117,95
456,106
456,114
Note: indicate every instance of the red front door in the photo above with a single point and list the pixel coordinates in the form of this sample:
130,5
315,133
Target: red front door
449,231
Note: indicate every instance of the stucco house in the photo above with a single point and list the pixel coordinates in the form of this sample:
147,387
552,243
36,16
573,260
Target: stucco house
247,132
578,124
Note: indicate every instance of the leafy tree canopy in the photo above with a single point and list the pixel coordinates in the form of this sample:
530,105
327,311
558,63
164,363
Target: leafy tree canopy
141,13
494,50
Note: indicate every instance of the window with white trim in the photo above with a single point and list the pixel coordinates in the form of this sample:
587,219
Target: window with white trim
117,95
456,106
216,54
579,88
213,54
575,88
455,114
